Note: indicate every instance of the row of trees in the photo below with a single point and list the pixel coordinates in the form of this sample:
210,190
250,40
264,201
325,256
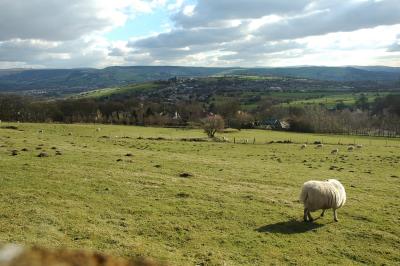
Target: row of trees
381,117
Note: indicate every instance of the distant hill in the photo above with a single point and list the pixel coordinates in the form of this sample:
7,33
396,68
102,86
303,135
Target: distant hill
78,80
380,69
329,73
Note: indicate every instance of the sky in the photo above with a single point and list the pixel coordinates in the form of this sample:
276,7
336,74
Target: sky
245,33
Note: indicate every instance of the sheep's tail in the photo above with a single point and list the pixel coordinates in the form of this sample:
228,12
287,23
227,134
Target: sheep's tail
303,195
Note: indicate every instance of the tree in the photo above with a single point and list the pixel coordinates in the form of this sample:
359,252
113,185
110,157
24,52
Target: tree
212,124
242,120
362,102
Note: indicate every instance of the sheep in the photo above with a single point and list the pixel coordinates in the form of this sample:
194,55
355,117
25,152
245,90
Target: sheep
320,145
335,151
350,148
359,146
41,131
304,146
317,195
98,129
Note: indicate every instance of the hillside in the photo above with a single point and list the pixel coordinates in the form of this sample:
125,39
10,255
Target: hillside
66,81
250,91
241,210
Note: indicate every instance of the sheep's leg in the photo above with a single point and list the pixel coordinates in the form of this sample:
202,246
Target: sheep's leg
305,215
335,215
309,216
323,212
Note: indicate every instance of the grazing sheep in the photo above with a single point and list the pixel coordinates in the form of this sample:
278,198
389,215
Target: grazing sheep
350,148
42,154
303,146
320,145
317,195
335,151
359,146
98,129
41,131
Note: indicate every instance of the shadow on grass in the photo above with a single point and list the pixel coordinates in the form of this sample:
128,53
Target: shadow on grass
289,227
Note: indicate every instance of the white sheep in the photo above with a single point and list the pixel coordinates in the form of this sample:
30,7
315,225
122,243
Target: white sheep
304,146
41,131
335,151
317,195
359,146
350,148
98,129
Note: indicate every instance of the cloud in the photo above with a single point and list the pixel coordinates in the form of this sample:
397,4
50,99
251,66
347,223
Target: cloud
52,20
53,33
343,18
211,12
192,37
395,47
252,31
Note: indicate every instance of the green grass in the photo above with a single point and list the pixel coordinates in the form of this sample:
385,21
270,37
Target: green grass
239,207
106,92
348,99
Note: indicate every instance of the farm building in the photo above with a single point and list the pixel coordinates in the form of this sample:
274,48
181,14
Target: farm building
273,123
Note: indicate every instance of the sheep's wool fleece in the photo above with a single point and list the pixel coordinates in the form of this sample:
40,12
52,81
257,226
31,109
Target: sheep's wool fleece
318,195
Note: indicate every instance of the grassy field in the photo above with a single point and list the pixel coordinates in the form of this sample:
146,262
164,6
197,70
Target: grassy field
348,99
106,92
238,206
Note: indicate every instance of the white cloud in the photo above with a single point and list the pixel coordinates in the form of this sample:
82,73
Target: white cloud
260,33
53,33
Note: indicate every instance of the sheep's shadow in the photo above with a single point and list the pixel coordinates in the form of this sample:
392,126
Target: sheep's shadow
289,227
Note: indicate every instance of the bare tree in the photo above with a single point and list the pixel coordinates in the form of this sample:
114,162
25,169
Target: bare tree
212,124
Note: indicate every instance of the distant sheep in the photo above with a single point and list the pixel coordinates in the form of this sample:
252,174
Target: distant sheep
98,129
41,131
359,146
335,151
303,146
350,148
317,195
320,145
